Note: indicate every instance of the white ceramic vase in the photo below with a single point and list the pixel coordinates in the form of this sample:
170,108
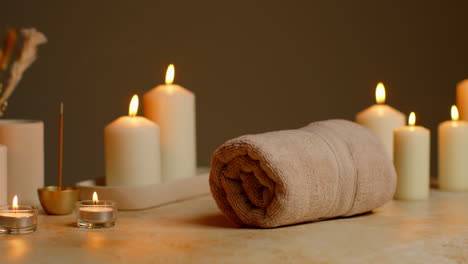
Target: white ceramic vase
24,140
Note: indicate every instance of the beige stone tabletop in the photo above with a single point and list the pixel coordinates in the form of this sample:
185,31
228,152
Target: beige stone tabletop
195,231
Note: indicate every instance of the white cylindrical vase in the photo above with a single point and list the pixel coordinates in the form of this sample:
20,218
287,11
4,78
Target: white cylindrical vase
3,175
24,140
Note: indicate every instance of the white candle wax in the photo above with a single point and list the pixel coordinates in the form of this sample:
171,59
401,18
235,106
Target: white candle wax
453,154
172,107
462,99
96,214
16,220
132,152
382,119
3,174
412,162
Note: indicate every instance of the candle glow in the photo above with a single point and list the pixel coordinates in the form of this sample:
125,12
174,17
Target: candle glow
170,74
15,202
133,108
412,119
454,113
380,93
95,198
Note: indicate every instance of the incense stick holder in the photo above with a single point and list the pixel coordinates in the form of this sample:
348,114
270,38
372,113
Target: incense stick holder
58,201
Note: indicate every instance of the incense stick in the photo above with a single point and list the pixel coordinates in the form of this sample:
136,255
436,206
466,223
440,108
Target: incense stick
60,147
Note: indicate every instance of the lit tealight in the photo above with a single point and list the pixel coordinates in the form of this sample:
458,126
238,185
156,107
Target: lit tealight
380,93
96,213
17,219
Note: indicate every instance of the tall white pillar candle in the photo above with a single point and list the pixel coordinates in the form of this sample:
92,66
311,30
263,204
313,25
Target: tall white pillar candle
132,150
172,107
453,154
462,99
412,161
24,140
382,119
3,175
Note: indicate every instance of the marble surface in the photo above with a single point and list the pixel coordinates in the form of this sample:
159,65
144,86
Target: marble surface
194,231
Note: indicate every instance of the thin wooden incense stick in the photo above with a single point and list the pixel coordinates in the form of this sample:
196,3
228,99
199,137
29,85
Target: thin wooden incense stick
60,147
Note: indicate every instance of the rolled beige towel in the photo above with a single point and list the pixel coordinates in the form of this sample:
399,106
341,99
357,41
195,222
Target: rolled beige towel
324,170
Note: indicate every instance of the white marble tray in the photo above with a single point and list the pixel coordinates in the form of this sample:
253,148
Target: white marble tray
144,197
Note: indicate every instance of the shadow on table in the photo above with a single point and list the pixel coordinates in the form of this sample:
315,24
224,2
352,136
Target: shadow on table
213,220
218,220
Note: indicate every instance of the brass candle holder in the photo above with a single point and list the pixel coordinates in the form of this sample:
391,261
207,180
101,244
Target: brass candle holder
59,200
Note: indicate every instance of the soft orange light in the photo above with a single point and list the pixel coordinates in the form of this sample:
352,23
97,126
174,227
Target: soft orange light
412,119
380,93
95,198
454,113
15,202
170,73
133,108
17,248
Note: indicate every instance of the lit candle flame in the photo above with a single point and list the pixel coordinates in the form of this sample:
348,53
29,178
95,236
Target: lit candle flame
412,119
380,93
15,202
95,198
170,74
454,113
133,108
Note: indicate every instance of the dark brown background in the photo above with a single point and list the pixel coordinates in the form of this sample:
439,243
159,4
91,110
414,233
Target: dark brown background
254,65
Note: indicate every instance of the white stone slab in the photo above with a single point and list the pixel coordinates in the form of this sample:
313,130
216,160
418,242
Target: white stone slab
147,196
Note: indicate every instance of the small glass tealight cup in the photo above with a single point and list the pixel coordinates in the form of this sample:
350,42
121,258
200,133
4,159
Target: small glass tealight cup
18,219
96,213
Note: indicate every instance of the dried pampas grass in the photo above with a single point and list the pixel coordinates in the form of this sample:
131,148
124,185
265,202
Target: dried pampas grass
27,54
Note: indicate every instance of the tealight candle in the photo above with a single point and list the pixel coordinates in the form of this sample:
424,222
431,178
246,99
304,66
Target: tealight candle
17,219
412,161
453,153
96,213
382,119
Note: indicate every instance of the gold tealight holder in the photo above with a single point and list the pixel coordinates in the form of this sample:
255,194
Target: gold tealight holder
58,200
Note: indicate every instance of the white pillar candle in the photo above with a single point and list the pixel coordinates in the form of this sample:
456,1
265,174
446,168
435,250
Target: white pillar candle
3,174
462,99
453,154
382,119
25,150
132,150
172,107
412,161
